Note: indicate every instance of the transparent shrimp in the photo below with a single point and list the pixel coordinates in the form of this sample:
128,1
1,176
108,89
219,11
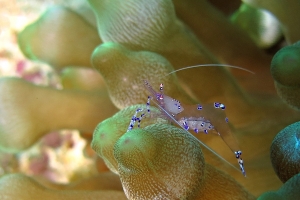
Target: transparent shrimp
199,118
169,117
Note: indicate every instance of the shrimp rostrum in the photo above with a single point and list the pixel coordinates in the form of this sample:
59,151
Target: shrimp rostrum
198,118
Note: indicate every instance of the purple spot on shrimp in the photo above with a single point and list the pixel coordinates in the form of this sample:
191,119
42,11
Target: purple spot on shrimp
196,130
186,127
158,96
217,105
199,107
238,154
226,120
205,131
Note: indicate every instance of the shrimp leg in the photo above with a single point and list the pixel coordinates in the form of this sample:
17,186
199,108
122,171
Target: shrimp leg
139,119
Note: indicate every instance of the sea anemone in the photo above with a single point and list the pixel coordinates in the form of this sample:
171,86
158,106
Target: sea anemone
285,152
101,52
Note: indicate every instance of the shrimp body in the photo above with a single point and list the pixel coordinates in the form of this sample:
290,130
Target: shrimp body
196,124
172,105
199,118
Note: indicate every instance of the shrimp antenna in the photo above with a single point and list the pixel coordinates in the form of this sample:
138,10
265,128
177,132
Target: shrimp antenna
211,65
207,147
